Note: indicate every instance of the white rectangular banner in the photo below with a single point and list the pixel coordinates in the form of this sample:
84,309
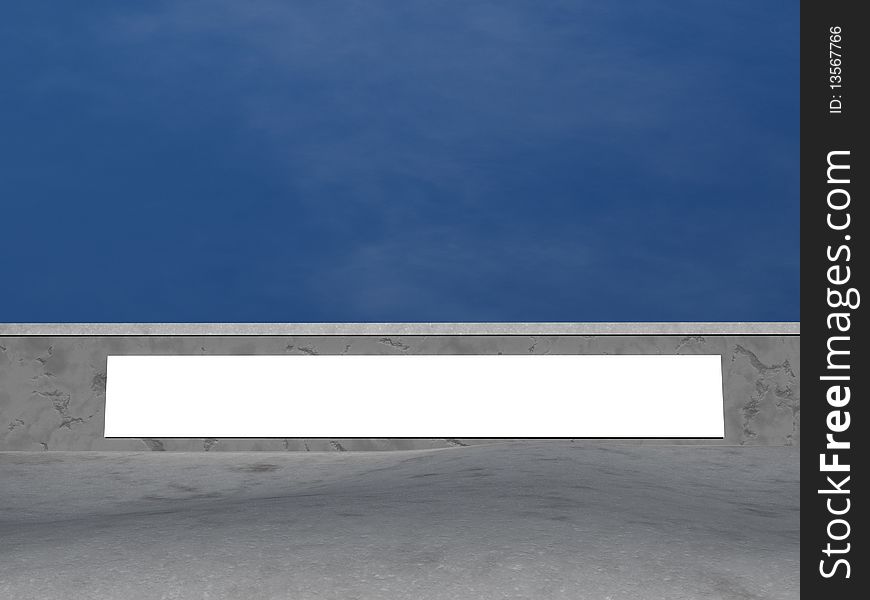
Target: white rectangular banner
415,396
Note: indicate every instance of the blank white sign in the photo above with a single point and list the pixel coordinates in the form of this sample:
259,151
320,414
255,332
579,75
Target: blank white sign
371,396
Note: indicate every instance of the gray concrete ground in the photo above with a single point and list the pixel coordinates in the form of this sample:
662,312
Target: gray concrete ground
545,519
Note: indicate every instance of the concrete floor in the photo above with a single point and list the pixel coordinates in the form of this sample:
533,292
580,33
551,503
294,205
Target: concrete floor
550,519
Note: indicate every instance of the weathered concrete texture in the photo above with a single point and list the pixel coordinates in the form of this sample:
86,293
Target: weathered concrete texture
523,520
52,389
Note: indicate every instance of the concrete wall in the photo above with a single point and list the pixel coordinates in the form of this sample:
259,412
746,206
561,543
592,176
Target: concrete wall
52,389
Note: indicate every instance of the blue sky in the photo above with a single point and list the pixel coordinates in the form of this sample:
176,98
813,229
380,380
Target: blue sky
375,160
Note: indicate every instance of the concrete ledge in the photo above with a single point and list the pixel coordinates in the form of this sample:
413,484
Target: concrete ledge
269,329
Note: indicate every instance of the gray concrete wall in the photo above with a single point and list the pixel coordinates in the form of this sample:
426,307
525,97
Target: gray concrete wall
52,389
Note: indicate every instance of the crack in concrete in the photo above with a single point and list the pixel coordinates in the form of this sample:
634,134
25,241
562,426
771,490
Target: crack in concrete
303,349
43,361
760,366
98,382
692,339
785,398
534,346
68,422
395,344
60,400
750,410
767,383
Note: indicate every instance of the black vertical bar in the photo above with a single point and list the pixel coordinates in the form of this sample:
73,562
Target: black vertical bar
834,228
